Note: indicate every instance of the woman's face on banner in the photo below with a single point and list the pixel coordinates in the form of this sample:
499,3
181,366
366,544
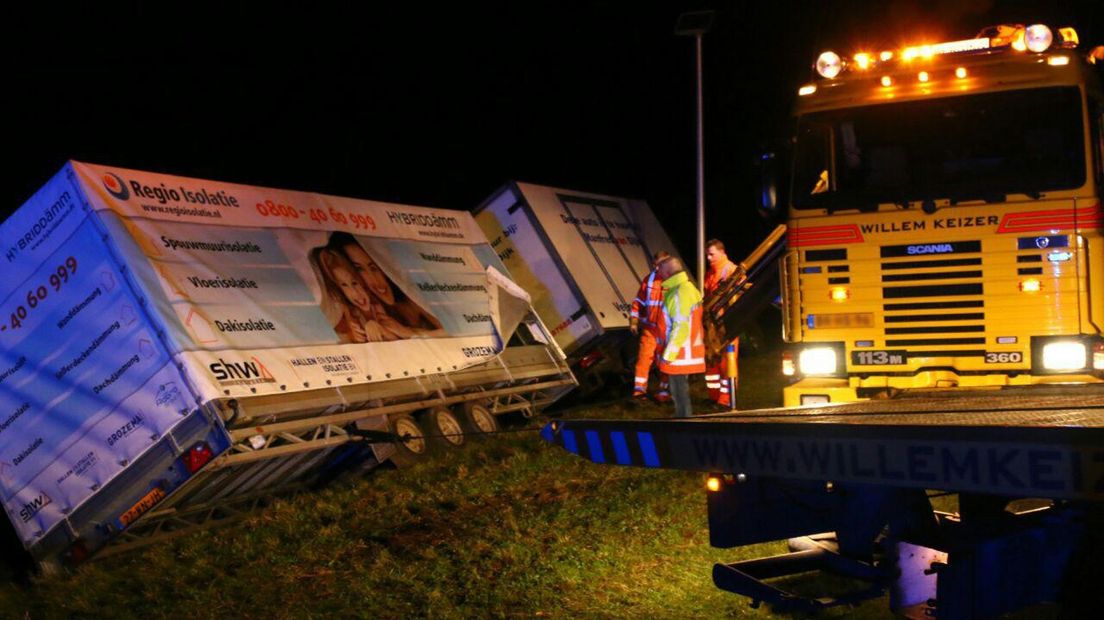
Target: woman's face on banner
352,287
373,276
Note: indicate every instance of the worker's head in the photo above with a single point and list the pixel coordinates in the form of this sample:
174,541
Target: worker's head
670,266
658,258
715,252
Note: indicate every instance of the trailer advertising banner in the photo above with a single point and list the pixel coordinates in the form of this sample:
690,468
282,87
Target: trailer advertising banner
86,386
271,291
130,299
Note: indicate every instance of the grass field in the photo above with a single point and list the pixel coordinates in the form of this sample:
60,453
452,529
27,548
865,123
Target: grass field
508,527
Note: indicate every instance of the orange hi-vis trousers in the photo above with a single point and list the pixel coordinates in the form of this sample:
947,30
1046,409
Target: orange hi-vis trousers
649,341
716,381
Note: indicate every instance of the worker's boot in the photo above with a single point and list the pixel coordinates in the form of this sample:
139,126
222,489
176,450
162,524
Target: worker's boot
664,393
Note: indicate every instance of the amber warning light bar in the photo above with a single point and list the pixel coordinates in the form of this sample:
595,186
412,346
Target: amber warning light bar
1013,38
1036,38
966,45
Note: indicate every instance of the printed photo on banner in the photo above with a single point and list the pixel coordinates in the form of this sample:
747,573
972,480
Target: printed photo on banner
364,303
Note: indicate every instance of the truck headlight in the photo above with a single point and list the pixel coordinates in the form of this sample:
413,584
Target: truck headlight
1065,355
818,361
829,64
1038,37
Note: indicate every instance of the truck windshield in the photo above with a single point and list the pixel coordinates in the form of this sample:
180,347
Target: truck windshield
976,147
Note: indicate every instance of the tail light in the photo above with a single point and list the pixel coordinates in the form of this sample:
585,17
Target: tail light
590,359
76,554
196,457
788,364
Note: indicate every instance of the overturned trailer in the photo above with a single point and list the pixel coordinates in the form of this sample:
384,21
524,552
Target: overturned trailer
178,351
582,257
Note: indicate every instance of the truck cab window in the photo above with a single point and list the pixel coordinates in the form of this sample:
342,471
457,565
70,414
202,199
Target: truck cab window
814,154
971,147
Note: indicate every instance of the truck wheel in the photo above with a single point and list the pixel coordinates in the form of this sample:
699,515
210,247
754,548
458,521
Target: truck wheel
416,445
478,419
444,427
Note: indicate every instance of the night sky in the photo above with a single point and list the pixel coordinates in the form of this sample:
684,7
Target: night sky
439,106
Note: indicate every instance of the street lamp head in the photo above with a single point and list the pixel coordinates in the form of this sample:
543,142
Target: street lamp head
694,23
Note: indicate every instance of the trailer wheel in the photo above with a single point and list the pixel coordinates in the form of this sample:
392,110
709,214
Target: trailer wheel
479,419
444,427
414,447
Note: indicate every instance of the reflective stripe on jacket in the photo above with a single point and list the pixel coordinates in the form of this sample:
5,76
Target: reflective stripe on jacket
684,352
648,305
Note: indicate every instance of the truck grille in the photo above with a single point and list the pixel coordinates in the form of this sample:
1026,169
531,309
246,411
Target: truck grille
933,298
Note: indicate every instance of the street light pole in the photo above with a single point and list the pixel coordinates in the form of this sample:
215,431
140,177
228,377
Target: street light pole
701,167
696,24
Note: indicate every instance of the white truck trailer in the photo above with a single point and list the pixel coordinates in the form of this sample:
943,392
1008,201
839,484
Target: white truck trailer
581,256
177,351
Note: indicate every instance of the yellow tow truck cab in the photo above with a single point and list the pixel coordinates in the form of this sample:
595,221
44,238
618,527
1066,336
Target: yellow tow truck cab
945,222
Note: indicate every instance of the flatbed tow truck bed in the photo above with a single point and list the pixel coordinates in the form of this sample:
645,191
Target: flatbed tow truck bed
1027,465
1009,442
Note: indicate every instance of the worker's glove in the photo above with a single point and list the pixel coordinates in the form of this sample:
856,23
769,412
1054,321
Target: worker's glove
633,325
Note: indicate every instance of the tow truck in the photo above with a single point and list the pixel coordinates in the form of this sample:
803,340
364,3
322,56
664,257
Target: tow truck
942,308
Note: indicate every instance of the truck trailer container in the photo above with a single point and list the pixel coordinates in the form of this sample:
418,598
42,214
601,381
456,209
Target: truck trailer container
178,351
582,257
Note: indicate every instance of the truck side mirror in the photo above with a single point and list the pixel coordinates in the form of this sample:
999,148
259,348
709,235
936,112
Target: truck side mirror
772,185
768,183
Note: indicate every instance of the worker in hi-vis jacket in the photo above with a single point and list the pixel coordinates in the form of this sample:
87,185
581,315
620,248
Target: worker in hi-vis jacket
646,321
684,345
720,269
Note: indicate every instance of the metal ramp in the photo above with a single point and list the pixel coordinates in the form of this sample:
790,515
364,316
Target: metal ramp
739,300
